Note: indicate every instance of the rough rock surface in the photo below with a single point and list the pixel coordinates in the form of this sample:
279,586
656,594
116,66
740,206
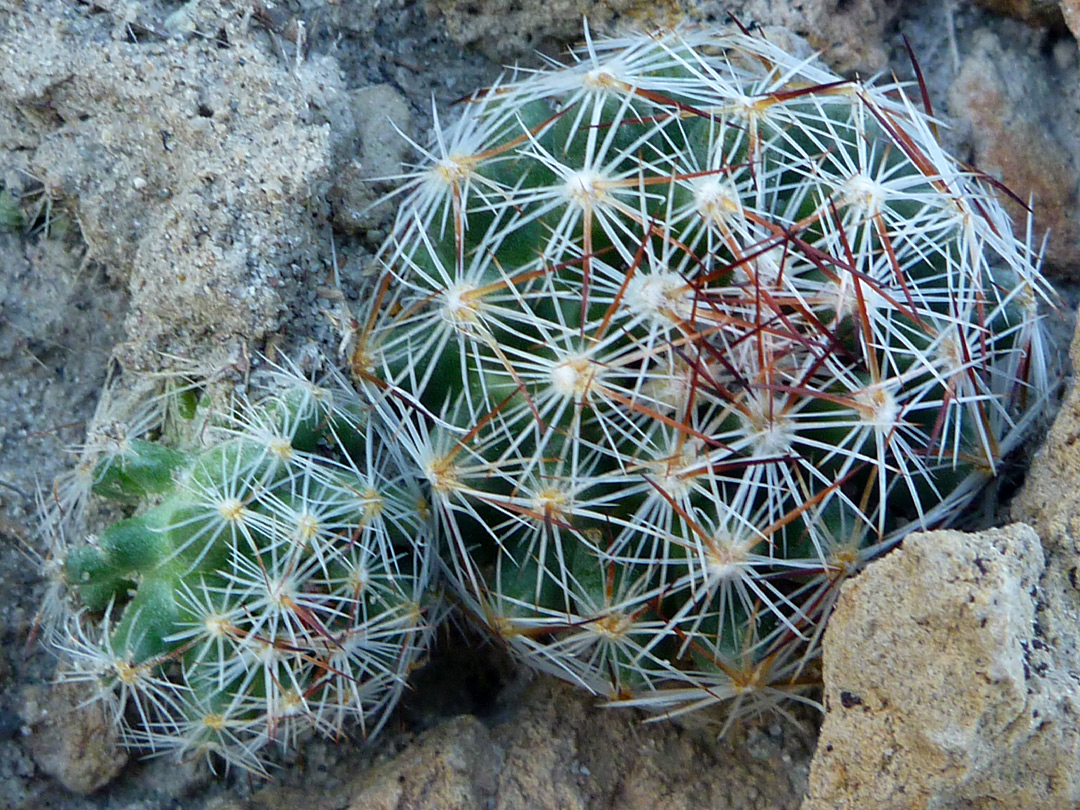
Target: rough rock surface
1035,12
1022,122
378,149
73,742
192,169
850,32
555,750
1070,9
942,686
1050,499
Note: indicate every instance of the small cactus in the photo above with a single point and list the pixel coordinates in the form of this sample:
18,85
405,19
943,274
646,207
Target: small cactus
698,327
273,579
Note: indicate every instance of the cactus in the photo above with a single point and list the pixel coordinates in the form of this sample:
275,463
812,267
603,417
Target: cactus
698,327
669,342
273,578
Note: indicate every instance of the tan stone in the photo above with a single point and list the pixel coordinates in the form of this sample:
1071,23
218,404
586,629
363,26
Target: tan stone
553,748
1036,12
849,32
452,768
941,687
1070,9
1050,498
380,115
72,740
191,169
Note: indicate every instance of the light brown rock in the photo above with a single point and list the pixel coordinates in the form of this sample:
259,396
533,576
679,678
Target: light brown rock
1035,12
508,30
1070,9
72,742
560,751
1050,498
554,749
849,32
1050,501
942,689
372,148
192,170
1020,117
454,767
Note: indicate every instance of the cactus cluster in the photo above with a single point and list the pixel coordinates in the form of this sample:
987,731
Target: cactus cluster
698,326
274,578
669,341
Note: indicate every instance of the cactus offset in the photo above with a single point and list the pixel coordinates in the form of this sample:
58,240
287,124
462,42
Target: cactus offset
277,583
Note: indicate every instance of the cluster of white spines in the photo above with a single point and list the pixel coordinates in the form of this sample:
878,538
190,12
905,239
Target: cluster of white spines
280,585
698,326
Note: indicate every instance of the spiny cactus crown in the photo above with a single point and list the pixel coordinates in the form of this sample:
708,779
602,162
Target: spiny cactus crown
698,326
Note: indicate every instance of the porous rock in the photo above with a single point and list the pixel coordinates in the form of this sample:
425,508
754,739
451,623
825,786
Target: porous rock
553,748
1019,111
509,30
1070,10
454,767
1050,498
193,167
370,157
71,739
1034,12
849,32
1050,501
943,688
558,750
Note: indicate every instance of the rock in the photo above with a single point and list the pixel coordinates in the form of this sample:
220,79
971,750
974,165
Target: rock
559,750
1070,9
1050,498
508,30
374,148
554,749
193,170
850,32
1020,113
1050,501
453,767
1035,12
942,689
72,742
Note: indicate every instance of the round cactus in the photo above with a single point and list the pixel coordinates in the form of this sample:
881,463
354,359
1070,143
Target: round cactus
274,578
697,327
